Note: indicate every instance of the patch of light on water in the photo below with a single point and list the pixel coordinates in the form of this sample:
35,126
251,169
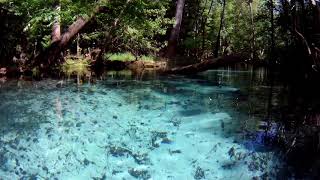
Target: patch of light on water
164,129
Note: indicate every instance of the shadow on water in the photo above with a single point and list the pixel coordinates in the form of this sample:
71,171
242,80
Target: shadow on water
300,120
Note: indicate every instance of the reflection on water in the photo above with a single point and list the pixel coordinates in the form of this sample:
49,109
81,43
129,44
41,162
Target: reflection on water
208,126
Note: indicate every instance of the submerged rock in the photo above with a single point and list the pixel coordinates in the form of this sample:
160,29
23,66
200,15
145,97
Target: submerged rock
3,159
60,84
232,152
199,174
175,121
33,177
114,172
175,152
119,151
45,169
86,162
139,173
253,166
159,137
103,177
166,141
79,124
140,158
229,165
191,112
222,125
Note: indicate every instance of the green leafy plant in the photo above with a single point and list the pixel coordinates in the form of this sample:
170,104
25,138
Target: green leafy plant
77,66
147,58
120,57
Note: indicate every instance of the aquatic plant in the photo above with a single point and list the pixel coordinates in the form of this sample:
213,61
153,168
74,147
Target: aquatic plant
35,72
74,65
147,58
127,56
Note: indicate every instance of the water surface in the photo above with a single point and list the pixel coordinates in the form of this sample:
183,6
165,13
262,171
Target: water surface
209,126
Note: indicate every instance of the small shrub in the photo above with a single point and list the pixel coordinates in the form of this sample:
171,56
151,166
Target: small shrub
127,56
76,65
120,57
147,58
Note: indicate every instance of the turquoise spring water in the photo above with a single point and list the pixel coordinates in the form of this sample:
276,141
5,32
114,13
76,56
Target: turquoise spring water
200,127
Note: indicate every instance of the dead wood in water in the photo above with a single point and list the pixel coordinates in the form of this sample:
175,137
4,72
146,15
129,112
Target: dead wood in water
206,65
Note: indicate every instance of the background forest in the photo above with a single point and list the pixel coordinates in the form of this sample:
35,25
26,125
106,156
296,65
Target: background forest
262,31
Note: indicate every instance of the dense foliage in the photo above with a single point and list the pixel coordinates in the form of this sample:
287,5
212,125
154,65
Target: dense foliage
258,29
126,26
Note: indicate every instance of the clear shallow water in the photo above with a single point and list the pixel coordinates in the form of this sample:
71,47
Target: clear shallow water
201,127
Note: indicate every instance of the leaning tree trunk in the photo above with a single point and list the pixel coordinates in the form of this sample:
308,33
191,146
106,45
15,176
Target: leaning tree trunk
173,41
217,47
56,28
51,55
54,51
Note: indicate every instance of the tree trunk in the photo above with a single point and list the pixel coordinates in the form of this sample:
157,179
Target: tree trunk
204,22
173,41
52,53
109,33
271,60
206,65
78,46
287,20
217,47
316,21
198,23
73,30
56,28
252,44
316,32
54,50
272,35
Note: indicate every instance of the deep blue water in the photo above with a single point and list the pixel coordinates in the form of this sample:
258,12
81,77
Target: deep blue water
214,125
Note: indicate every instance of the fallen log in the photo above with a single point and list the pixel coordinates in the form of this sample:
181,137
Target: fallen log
206,65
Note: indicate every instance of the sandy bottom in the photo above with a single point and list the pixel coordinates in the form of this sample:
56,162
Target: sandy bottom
156,129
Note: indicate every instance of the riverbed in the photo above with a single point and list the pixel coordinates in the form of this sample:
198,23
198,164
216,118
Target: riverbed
215,125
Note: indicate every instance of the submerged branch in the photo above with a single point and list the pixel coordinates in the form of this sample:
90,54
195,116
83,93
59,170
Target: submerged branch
305,42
